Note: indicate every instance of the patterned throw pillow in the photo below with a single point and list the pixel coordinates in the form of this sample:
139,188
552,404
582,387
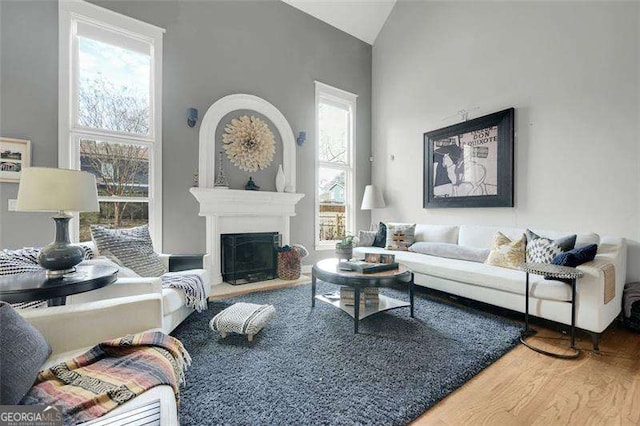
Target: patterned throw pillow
543,250
400,236
507,253
129,247
366,238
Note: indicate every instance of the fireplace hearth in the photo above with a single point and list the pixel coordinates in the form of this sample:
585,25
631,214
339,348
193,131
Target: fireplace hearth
249,257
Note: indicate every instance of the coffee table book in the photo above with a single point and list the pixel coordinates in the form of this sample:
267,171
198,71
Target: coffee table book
366,267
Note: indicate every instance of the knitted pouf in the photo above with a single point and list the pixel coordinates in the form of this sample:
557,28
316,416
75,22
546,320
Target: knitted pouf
242,318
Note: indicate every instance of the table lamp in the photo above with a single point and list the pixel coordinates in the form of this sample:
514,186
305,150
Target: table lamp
372,199
58,190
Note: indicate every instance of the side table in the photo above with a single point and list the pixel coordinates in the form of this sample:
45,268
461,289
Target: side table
32,286
557,272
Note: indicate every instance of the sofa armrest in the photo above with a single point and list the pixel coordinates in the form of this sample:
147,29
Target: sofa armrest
79,326
123,287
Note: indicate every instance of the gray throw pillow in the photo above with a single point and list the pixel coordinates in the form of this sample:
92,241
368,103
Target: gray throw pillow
23,351
451,251
131,248
400,236
366,238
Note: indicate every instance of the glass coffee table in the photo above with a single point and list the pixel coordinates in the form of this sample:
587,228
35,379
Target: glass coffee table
327,271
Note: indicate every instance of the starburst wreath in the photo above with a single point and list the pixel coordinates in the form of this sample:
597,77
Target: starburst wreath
249,143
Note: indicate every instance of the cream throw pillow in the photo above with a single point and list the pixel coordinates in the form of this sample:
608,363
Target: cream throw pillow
507,253
400,236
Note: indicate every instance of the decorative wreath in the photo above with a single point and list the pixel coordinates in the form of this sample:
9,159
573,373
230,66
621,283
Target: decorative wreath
249,143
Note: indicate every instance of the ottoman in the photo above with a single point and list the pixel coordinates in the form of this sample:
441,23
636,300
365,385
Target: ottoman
242,318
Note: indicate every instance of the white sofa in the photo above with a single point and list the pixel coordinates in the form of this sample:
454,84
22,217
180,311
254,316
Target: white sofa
174,309
506,287
73,329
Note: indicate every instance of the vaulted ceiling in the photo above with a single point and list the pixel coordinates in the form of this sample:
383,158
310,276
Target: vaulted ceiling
360,18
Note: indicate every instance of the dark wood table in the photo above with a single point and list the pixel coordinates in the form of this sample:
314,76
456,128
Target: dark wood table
32,286
327,270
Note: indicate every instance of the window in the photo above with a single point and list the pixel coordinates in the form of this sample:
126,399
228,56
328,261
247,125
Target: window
335,133
110,111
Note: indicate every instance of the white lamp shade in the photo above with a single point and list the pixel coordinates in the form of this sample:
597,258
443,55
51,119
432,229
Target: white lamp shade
372,198
51,190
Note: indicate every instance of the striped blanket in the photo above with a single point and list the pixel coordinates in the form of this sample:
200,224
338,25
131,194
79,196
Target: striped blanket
110,374
192,286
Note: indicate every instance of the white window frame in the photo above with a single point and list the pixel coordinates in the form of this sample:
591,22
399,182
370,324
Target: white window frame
70,14
347,99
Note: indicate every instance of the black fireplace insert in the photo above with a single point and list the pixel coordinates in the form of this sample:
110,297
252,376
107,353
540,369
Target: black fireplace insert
250,257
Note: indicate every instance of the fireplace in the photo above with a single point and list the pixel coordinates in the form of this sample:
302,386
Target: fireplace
249,257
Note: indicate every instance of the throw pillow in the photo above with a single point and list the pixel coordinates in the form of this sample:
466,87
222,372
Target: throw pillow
451,251
381,236
577,256
366,238
23,351
129,247
14,262
400,236
543,250
507,253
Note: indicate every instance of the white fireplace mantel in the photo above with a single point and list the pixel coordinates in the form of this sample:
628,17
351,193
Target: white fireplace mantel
230,211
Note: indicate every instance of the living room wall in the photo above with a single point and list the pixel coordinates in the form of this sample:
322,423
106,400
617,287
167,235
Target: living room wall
571,71
211,49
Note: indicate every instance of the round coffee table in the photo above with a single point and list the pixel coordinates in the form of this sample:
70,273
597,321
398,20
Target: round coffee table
31,286
327,270
559,273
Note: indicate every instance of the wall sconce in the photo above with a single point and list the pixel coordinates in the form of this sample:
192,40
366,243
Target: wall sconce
302,136
192,116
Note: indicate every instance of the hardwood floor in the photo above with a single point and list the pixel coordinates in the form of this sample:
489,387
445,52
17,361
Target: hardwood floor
527,388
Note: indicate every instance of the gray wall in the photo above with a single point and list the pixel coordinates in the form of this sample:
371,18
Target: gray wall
211,49
28,105
571,71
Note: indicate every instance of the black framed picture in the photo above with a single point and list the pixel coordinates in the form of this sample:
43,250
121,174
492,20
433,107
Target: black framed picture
470,164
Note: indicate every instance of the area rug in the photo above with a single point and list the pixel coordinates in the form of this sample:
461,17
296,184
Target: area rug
307,366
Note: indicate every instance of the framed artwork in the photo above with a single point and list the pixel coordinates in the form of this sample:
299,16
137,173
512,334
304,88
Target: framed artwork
15,154
470,164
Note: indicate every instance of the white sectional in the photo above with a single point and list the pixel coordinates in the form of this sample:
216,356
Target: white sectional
174,309
504,287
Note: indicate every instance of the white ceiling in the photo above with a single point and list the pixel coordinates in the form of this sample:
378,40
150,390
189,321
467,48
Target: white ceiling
360,18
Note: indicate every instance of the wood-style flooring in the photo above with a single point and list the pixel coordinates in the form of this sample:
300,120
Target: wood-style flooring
527,388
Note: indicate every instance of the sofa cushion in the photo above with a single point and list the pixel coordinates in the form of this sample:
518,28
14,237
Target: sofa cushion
129,247
23,351
451,251
436,233
507,253
400,235
482,236
480,274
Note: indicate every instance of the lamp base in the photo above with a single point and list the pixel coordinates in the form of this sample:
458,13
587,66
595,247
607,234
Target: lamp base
59,274
60,257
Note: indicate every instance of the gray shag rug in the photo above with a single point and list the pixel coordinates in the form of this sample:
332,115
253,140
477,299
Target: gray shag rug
307,366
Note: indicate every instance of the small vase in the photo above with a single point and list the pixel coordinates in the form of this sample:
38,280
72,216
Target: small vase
280,179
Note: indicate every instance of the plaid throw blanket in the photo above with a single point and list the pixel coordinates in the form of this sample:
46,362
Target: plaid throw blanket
191,285
110,374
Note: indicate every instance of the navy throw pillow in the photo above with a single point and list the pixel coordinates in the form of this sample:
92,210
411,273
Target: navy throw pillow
381,236
577,256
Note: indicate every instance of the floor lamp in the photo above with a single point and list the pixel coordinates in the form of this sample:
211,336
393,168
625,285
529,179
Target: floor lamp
372,199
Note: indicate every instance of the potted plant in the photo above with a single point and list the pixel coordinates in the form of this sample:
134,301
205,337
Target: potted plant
344,247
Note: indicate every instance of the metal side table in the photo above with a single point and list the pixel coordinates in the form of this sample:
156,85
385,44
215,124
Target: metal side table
560,273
